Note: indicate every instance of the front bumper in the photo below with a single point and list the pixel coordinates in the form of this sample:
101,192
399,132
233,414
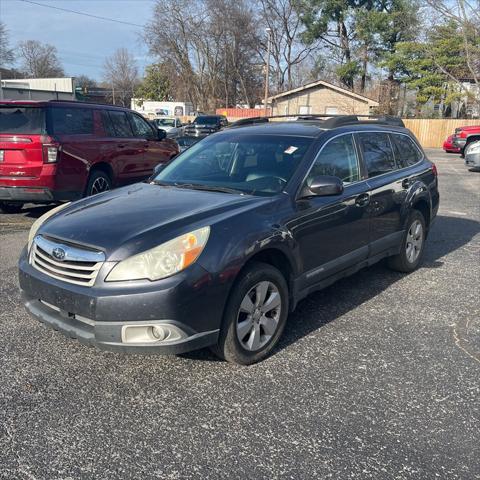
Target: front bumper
97,315
472,160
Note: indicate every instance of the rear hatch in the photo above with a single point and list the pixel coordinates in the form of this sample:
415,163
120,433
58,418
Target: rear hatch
22,133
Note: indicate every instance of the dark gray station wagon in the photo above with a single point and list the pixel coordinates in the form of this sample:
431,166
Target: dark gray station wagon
224,241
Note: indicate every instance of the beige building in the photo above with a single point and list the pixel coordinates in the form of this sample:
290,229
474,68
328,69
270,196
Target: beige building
322,98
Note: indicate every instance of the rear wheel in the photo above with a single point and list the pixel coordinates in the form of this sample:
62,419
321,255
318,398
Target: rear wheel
255,315
11,207
98,182
412,245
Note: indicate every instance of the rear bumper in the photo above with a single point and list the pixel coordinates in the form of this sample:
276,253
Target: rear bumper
26,194
472,160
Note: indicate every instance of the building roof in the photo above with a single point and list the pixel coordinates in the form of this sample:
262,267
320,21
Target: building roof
322,83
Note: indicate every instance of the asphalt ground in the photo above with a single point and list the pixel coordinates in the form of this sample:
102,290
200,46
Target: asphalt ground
378,376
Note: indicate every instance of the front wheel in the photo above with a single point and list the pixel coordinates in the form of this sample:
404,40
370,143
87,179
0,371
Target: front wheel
255,315
11,207
412,245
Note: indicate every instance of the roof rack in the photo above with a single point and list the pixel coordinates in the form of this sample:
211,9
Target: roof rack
327,121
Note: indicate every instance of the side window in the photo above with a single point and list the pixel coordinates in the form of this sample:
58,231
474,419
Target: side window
107,124
71,121
121,124
339,159
406,152
377,152
140,127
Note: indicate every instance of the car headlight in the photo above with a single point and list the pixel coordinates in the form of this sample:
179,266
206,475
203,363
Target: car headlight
474,148
40,220
162,261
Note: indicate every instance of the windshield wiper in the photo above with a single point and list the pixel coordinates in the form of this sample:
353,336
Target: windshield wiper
209,188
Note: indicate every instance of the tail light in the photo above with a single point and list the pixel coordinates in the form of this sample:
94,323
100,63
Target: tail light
434,170
50,150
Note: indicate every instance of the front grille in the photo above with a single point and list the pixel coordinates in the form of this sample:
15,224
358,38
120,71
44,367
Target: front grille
79,266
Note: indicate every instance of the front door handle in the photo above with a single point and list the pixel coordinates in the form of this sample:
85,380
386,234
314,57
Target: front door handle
362,200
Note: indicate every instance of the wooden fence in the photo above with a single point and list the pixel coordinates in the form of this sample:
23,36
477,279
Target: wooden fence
431,133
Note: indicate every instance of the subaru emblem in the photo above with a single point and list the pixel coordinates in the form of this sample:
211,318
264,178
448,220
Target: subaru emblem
59,253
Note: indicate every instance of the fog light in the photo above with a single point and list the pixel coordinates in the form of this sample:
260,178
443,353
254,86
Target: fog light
142,334
158,333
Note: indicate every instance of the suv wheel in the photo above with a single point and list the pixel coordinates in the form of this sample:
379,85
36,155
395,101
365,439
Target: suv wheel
98,182
9,207
255,315
412,245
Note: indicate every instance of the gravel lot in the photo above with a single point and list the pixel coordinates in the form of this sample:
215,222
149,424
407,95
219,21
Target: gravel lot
377,376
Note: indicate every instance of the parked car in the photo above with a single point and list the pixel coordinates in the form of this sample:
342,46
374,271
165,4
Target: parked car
472,155
205,125
59,150
465,135
448,145
225,241
171,125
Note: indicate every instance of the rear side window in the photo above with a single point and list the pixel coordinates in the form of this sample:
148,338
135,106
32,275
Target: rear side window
339,159
406,152
22,120
107,124
72,121
121,125
377,153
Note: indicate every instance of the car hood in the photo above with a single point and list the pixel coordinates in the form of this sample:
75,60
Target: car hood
135,218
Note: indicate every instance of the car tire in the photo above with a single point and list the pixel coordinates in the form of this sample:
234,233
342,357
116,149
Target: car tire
98,182
413,242
11,207
255,315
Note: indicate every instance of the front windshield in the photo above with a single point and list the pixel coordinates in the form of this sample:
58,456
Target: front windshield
252,164
206,120
165,122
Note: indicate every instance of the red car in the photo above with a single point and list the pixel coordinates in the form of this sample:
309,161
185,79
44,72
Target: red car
448,145
58,150
465,135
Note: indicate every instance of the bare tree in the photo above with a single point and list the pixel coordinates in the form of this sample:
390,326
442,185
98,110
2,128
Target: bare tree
121,73
288,51
466,14
211,45
6,53
39,60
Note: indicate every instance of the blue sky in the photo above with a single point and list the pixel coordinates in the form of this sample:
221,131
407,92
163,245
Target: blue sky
83,43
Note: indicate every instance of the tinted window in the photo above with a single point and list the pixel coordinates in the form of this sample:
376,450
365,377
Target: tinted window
406,152
107,124
140,127
207,121
255,164
72,121
22,120
339,159
377,152
121,124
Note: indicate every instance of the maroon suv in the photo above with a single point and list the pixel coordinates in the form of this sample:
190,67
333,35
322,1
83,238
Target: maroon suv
59,150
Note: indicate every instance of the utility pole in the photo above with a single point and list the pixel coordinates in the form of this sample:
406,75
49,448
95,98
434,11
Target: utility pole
267,70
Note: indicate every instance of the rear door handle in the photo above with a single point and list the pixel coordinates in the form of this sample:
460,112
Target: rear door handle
362,200
121,146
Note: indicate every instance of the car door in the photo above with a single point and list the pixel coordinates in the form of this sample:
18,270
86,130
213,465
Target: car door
387,190
130,149
156,151
332,231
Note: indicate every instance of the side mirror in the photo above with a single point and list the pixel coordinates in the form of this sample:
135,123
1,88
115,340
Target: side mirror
322,186
161,134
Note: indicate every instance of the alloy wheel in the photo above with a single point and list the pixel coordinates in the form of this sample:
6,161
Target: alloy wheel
259,315
99,185
414,241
